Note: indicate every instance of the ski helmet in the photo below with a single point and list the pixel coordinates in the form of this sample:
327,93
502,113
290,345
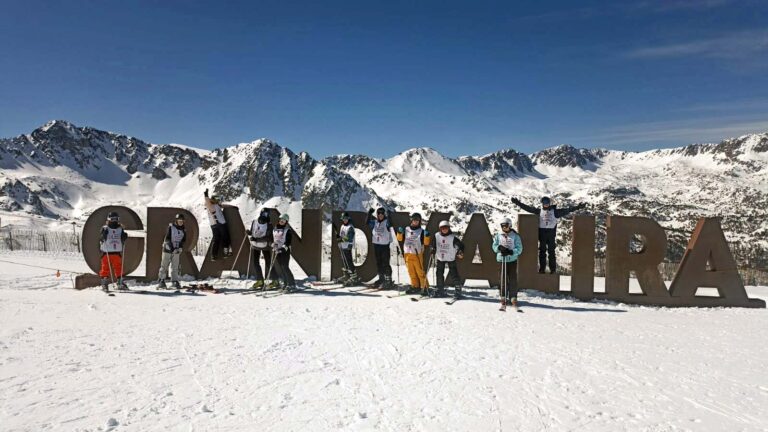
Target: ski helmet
284,217
215,198
113,216
345,215
416,216
444,224
179,216
381,210
546,201
506,221
263,216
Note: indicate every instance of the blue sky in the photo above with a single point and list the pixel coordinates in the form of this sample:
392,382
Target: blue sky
379,77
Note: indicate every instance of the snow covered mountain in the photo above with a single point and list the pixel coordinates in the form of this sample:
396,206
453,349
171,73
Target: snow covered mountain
62,172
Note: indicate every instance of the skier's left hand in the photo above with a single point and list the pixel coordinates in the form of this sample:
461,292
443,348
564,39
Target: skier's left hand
282,249
460,255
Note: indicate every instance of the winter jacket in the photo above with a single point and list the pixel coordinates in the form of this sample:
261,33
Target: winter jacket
281,238
112,229
346,236
558,213
381,238
446,252
260,242
412,244
512,239
168,241
215,212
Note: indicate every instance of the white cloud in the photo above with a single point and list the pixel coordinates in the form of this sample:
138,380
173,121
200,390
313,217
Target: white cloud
679,132
730,46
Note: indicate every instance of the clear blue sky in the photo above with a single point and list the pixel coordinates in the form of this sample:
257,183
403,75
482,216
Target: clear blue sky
378,77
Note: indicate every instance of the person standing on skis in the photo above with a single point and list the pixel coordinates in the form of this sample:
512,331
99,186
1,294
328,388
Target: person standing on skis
112,244
221,241
173,244
383,235
260,239
508,247
414,238
447,248
549,216
281,245
345,238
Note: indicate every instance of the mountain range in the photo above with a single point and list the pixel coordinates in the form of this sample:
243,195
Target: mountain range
61,172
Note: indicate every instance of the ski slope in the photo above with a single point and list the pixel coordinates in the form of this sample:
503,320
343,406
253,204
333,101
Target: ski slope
337,360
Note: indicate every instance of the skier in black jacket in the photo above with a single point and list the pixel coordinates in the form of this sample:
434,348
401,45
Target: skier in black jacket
548,218
173,245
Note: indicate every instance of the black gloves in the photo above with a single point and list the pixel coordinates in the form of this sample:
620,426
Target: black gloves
370,212
206,193
504,251
248,232
581,206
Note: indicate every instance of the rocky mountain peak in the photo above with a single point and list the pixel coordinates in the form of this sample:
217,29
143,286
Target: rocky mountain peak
565,156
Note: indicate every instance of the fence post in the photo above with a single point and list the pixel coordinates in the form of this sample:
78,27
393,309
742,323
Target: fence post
45,245
10,240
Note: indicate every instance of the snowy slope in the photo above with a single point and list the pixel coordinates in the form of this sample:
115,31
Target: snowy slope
82,361
61,172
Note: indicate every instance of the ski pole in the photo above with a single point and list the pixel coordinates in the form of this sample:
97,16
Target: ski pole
111,273
238,254
398,265
122,267
343,258
269,270
503,285
248,271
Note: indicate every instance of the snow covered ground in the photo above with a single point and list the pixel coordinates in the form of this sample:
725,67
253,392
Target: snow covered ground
336,360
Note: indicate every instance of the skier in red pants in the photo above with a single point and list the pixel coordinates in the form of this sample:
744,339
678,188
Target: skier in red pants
112,243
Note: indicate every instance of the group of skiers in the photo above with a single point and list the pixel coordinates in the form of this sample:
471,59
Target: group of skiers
274,243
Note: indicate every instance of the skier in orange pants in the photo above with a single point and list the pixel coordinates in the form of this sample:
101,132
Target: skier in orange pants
414,239
112,243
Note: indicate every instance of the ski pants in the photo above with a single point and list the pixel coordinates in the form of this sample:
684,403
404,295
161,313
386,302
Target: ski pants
510,285
169,259
346,260
415,265
220,239
453,273
113,260
382,260
547,247
283,269
255,253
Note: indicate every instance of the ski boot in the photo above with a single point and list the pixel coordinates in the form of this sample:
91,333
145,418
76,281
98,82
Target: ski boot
227,252
105,284
161,285
122,286
409,289
176,285
378,282
258,284
439,292
426,292
289,288
352,280
457,292
343,278
388,284
273,284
